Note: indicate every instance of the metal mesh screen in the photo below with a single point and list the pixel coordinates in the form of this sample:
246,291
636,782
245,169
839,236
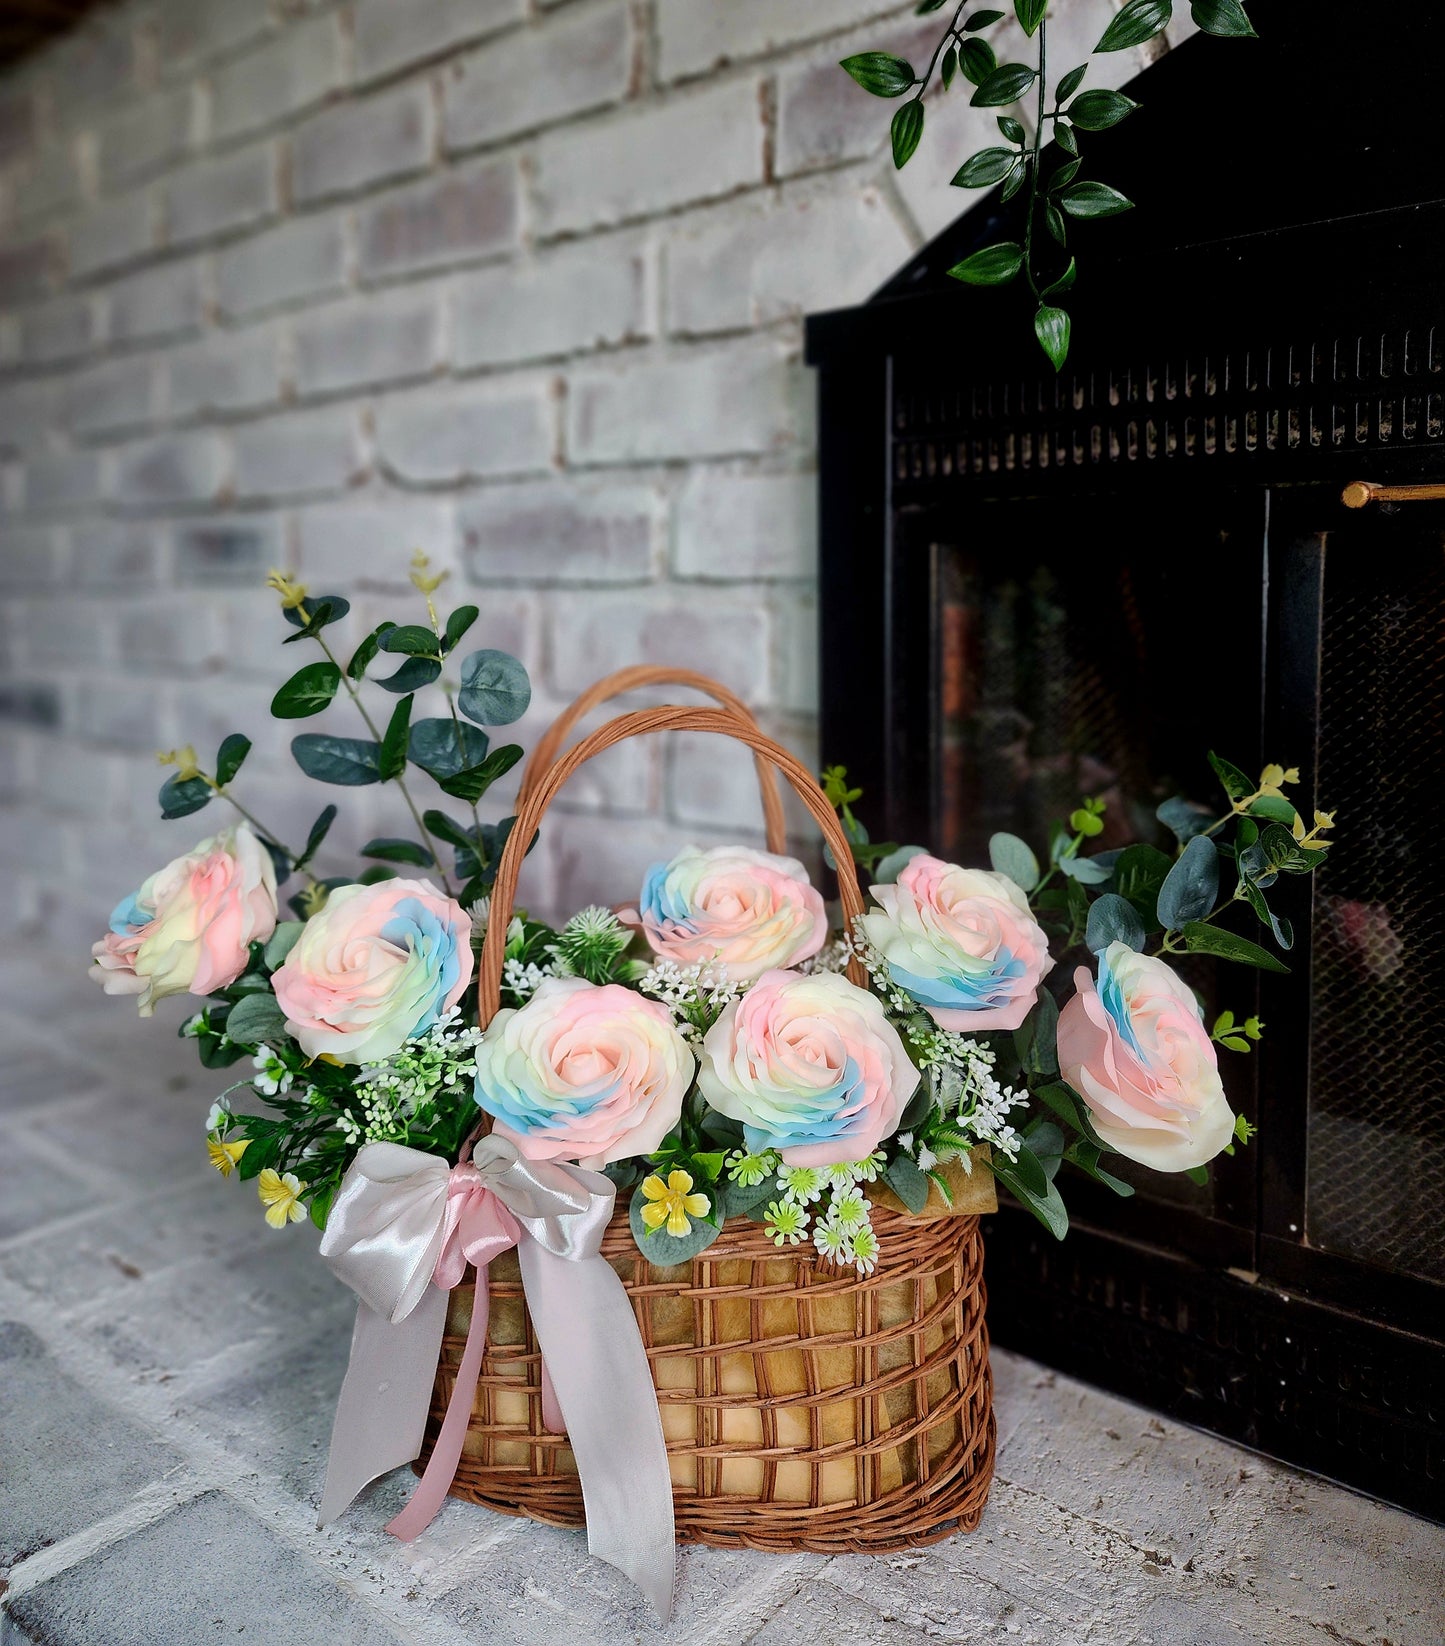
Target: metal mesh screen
1376,1185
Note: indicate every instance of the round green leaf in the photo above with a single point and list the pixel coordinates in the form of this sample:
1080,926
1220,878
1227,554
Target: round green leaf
993,266
348,761
256,1019
392,850
230,757
664,1249
282,941
1015,858
180,797
307,692
412,638
495,690
443,747
1113,919
880,72
887,869
1191,886
415,673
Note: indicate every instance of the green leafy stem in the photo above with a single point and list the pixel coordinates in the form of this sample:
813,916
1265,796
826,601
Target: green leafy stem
1056,192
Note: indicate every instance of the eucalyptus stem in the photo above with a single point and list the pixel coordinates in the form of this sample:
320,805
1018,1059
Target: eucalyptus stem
223,793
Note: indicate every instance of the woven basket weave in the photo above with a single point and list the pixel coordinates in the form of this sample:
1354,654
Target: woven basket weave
804,1407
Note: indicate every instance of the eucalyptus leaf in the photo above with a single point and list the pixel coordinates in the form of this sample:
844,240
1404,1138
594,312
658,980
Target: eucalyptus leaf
179,796
1203,939
1138,21
1191,887
230,757
415,673
1085,870
457,625
1286,854
889,867
389,849
663,1249
1140,871
412,639
1236,784
1006,84
474,781
442,747
307,692
880,73
319,830
992,266
392,760
1015,858
348,761
282,941
365,653
906,131
256,1020
1184,818
907,1182
1113,919
1274,808
495,690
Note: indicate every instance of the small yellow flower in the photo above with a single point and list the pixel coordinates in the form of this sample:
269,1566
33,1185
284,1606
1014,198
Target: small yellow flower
224,1156
313,897
1324,820
291,592
1273,778
423,578
281,1196
183,759
672,1203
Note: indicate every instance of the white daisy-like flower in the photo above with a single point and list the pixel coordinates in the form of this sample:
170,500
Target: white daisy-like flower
865,1251
786,1222
219,1118
832,1242
802,1184
850,1210
272,1077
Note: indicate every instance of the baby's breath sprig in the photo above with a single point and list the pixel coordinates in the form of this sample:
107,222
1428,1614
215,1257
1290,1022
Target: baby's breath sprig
696,995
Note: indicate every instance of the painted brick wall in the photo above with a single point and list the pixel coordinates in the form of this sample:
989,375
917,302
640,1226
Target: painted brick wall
517,282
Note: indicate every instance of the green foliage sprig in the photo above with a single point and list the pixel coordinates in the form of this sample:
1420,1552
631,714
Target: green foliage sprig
1056,191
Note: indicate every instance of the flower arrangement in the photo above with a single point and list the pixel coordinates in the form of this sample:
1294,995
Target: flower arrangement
702,1047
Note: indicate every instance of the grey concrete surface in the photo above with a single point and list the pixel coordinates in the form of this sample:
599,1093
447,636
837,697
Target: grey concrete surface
168,1364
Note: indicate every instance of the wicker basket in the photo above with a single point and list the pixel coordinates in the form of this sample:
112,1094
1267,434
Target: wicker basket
803,1407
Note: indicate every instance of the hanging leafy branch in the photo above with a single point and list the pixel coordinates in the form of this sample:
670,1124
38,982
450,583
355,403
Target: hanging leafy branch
1056,191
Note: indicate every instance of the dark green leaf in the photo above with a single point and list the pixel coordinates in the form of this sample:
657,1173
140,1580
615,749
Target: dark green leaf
1222,17
349,761
281,942
1047,1143
1086,1157
1138,875
415,673
473,782
1137,22
1070,83
1280,928
1197,1175
1036,1038
263,1150
414,639
981,20
976,60
442,747
495,690
1191,886
1098,110
1183,818
948,67
663,1249
375,875
1031,1186
1065,282
1052,327
1054,218
1063,175
1273,807
361,658
1236,785
917,1109
1030,13
1113,919
457,625
1013,857
993,266
180,797
1005,85
1286,854
1069,1106
440,825
1064,137
880,73
906,130
391,850
230,757
1094,200
319,830
392,761
1011,129
907,1182
307,692
738,1199
323,610
1015,180
1202,939
923,7
985,168
256,1019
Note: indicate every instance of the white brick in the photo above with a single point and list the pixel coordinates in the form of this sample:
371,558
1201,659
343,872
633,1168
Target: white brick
744,526
152,133
393,33
461,214
294,456
114,554
17,121
75,631
300,67
357,144
228,549
119,714
26,269
795,648
29,558
306,258
539,76
192,29
63,480
695,36
116,395
235,192
460,434
689,148
27,410
576,298
173,468
57,330
371,540
179,633
754,397
712,782
235,373
750,263
158,302
560,531
50,184
593,633
114,233
380,339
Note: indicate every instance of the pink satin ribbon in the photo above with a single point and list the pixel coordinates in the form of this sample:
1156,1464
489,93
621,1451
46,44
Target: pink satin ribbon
477,1228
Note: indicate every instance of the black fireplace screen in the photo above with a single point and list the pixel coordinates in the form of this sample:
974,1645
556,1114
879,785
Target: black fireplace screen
1376,1133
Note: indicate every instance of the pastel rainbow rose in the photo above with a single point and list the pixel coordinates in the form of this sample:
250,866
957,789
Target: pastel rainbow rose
583,1072
1134,1047
962,942
374,967
730,906
189,928
810,1065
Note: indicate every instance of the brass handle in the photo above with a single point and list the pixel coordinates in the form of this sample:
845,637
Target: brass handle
1360,492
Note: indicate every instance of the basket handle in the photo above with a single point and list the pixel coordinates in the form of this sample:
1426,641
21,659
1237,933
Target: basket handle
547,748
667,717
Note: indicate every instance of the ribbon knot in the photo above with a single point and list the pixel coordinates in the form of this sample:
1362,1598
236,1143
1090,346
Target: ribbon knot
401,1232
